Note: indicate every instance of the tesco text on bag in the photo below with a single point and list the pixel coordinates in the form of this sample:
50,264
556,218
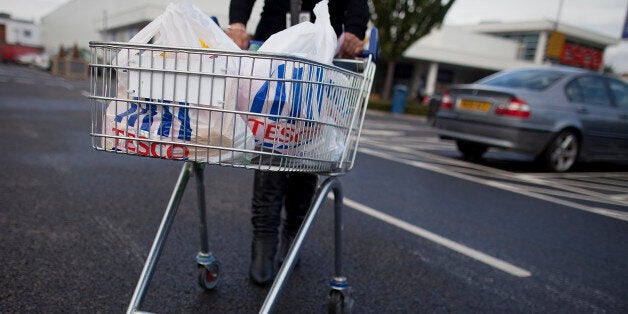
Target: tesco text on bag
306,92
141,116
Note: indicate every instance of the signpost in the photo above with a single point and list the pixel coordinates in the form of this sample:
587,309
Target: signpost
624,33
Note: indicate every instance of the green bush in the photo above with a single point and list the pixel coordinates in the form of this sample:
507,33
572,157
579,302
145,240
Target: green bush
412,107
379,104
416,108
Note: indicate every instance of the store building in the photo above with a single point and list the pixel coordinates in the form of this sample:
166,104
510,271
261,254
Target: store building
463,54
80,21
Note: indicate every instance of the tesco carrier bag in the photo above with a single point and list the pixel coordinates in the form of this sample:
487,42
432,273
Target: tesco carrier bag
167,104
293,102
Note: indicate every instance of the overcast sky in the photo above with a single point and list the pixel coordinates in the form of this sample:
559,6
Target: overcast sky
603,16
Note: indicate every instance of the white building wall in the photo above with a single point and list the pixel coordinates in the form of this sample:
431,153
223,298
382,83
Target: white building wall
457,46
21,32
81,21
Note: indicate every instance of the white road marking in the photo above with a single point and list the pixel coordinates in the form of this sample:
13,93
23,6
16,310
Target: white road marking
59,83
612,199
475,169
457,247
605,181
382,132
488,172
620,197
589,185
500,185
580,175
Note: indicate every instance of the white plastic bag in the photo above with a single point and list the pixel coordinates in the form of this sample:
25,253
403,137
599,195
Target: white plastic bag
285,94
181,25
314,41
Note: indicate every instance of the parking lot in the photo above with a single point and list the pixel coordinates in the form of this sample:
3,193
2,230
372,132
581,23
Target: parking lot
424,230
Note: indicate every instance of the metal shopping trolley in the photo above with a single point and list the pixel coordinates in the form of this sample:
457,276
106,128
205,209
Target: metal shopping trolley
239,109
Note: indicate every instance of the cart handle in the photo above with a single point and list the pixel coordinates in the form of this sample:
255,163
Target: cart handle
372,50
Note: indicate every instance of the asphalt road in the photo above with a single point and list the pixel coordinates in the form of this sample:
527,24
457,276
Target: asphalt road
424,231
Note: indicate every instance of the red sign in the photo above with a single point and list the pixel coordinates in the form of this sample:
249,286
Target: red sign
580,56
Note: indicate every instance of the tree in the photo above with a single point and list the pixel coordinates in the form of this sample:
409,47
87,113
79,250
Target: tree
400,24
609,69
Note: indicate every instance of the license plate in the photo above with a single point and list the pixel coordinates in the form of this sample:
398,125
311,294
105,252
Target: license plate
474,105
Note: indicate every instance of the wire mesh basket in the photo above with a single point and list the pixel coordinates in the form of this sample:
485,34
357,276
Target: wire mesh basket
241,109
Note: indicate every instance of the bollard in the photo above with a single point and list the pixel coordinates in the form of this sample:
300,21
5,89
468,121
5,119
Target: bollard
399,98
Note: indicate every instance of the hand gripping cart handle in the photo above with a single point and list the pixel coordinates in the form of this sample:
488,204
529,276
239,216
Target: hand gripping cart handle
244,109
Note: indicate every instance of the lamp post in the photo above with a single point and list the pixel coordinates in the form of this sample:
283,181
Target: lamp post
560,10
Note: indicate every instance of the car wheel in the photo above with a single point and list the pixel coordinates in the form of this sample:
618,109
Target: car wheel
471,151
561,154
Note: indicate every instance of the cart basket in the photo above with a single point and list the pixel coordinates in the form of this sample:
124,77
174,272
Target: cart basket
231,108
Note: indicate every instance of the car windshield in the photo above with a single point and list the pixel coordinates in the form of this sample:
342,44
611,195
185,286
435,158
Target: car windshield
531,79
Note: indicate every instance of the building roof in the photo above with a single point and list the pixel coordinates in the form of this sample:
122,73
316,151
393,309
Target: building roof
582,35
459,46
7,18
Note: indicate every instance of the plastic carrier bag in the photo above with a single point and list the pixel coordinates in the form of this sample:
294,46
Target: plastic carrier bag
295,93
175,118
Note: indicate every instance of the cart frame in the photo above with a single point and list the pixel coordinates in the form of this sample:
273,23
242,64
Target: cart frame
340,300
105,71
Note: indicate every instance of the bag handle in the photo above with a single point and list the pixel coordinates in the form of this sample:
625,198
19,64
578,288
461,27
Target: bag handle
142,37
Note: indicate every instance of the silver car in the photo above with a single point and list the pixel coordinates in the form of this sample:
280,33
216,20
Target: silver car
558,114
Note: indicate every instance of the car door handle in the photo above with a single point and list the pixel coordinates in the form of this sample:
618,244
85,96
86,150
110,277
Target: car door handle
582,110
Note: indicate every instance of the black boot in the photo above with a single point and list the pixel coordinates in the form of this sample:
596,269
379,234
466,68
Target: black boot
268,191
262,269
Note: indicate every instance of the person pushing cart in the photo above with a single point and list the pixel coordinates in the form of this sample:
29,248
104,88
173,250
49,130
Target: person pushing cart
292,190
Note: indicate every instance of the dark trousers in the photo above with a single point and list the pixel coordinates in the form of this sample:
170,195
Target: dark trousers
271,190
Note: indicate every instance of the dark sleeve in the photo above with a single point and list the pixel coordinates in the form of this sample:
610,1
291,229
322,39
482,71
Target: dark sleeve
240,11
356,17
349,15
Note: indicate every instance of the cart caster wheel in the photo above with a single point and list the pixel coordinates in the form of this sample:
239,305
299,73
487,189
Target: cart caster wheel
209,275
339,302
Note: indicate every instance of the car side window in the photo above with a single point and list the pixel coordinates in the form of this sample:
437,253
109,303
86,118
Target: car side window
619,90
574,91
588,89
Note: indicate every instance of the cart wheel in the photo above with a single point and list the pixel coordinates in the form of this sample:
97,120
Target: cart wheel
339,302
209,275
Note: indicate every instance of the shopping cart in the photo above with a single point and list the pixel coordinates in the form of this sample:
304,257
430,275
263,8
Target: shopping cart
185,104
